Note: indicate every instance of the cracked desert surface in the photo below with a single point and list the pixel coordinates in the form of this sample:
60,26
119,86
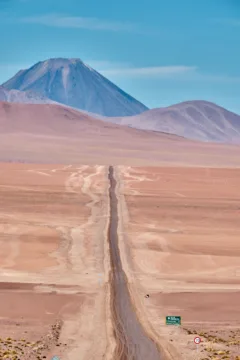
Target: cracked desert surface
53,295
181,246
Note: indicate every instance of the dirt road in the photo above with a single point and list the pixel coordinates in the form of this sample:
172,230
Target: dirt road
132,342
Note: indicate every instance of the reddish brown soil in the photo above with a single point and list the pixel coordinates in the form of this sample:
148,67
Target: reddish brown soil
183,242
52,226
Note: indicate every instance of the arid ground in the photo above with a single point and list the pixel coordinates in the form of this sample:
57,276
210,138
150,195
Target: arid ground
53,294
178,236
176,226
180,244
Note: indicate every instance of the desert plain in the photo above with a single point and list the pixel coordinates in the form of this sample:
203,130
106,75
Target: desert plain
178,237
53,294
80,250
181,247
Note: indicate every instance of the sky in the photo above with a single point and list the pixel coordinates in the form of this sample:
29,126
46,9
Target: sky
161,52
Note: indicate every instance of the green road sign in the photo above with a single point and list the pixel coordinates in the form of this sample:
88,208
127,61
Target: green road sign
173,320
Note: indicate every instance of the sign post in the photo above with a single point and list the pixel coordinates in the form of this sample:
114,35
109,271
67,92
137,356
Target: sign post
197,341
173,320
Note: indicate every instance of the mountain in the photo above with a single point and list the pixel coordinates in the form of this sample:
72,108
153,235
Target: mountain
49,133
27,97
73,83
198,120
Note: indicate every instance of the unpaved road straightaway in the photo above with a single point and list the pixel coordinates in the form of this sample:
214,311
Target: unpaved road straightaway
132,341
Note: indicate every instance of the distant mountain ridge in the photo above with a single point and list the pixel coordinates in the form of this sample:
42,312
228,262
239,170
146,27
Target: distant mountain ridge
196,120
24,97
73,83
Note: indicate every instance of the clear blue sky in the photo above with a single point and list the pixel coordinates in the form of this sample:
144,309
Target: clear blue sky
161,52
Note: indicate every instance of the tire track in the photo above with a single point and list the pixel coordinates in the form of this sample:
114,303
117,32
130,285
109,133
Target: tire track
132,342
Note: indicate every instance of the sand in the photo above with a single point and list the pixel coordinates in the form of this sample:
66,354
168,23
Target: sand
53,293
178,236
180,244
57,135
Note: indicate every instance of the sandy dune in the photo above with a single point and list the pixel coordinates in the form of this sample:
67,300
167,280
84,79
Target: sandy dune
180,244
54,134
53,221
